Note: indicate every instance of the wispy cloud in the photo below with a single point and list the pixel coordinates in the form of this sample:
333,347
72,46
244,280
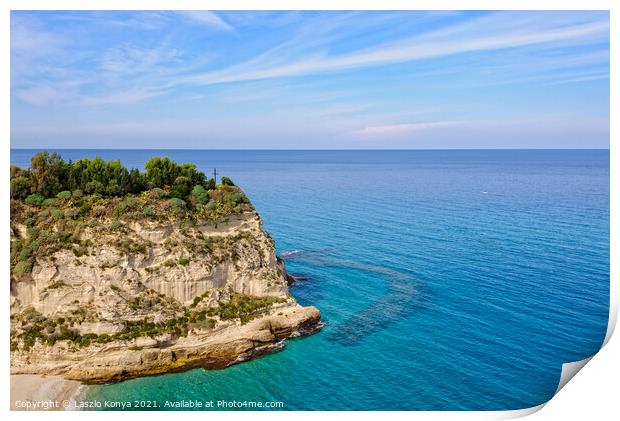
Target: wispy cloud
128,59
156,70
205,17
390,130
40,95
326,77
505,33
123,98
552,124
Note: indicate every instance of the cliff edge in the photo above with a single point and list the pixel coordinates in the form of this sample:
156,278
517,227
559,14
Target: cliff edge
109,288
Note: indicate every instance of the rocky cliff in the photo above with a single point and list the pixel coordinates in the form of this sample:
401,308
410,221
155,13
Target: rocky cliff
114,296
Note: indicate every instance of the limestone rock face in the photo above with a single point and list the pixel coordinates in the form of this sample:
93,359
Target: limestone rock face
230,344
180,262
150,271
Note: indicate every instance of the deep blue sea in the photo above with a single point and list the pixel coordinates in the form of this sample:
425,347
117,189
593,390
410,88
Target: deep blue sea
448,280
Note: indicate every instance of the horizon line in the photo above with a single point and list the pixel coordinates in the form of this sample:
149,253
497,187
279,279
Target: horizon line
312,149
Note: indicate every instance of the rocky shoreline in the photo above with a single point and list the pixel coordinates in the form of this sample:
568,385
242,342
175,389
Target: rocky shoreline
139,274
68,374
120,361
105,315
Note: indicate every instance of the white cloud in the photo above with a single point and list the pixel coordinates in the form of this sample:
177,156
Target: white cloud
39,95
44,62
205,17
391,130
123,98
128,59
304,58
552,125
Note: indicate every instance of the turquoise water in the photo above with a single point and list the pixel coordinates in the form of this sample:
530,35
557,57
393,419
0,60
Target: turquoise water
447,279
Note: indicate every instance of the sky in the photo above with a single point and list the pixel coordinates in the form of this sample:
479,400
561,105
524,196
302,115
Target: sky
309,80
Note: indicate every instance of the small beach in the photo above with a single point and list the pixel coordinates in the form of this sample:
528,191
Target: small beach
42,393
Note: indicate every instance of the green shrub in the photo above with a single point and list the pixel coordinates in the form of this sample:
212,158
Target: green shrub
67,333
22,268
64,195
148,211
120,209
159,192
72,213
116,224
35,199
57,214
245,307
227,181
228,313
132,202
49,202
16,247
177,204
201,195
34,245
79,251
24,254
239,197
184,261
56,284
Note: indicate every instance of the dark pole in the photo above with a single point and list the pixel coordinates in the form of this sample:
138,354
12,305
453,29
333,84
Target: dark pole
215,175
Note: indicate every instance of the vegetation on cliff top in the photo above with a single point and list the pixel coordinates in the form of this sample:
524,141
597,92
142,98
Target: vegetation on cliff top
55,200
50,175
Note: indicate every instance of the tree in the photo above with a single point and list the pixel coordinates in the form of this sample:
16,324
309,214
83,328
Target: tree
137,182
195,176
227,181
20,187
117,178
78,174
94,187
161,172
181,187
19,172
48,173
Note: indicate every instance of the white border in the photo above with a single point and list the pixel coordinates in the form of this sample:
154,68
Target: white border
598,386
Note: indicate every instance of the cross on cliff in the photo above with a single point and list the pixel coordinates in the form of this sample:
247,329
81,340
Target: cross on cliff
215,175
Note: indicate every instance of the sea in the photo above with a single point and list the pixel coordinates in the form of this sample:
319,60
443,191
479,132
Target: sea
447,280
